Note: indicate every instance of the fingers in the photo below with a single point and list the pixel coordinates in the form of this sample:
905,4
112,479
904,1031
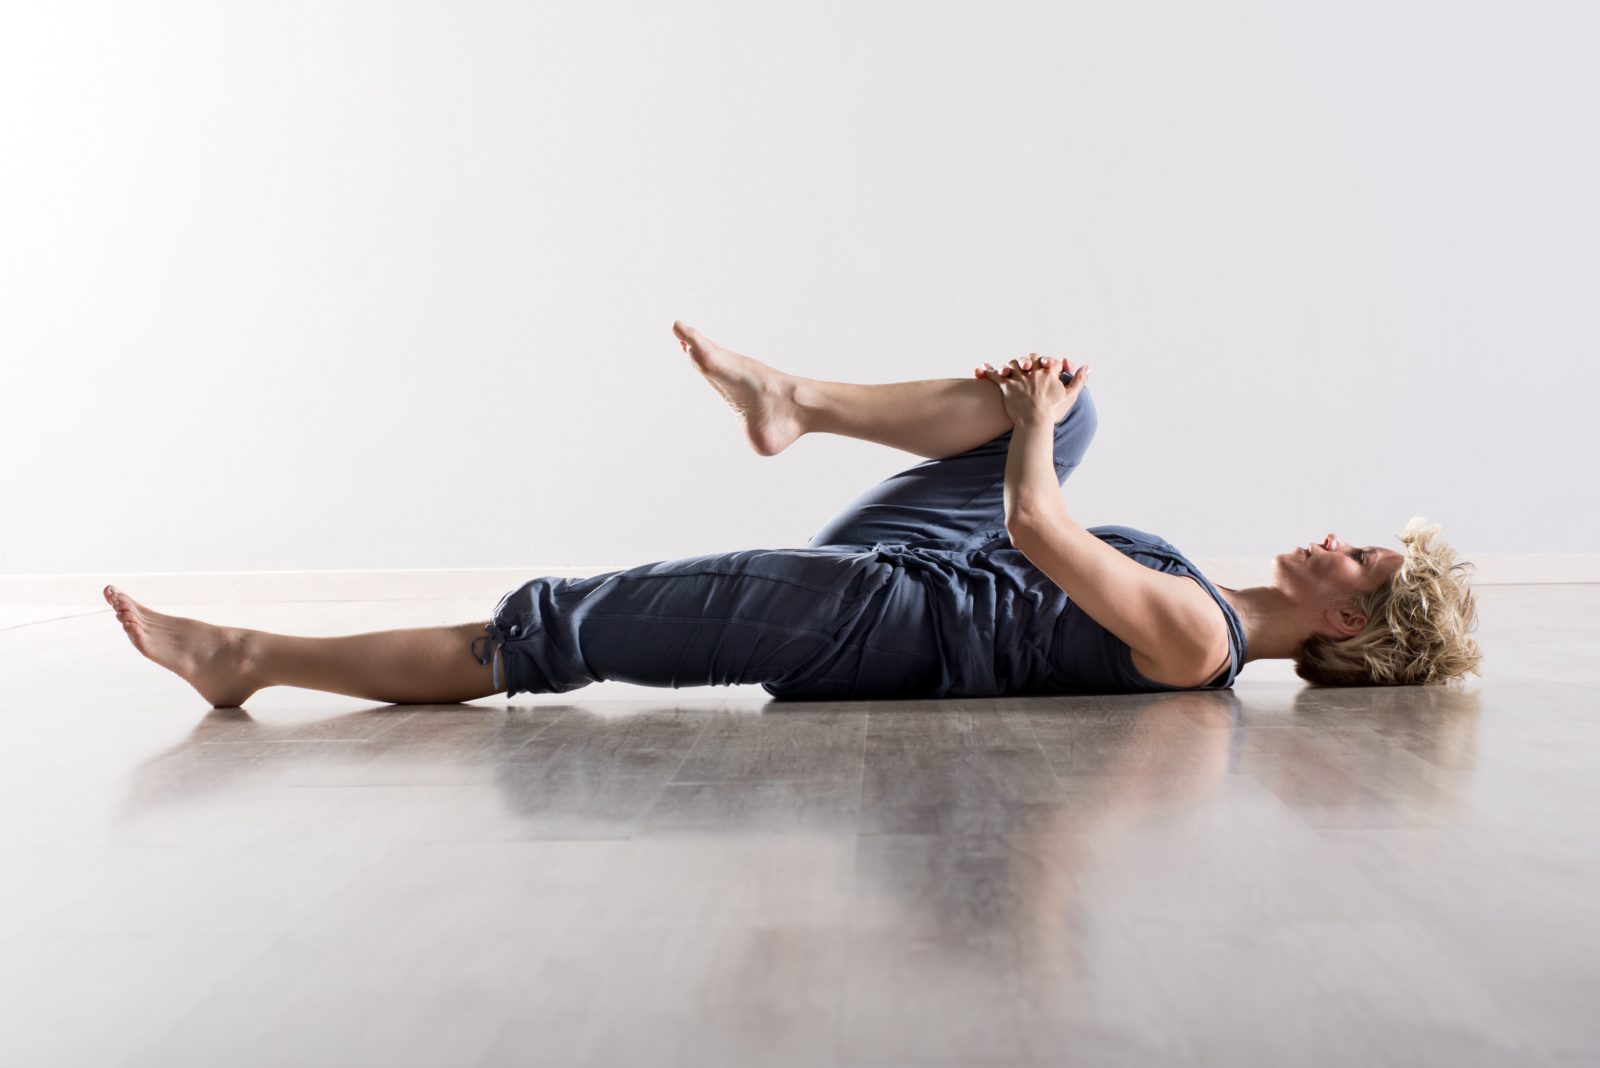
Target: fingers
1031,362
1027,365
989,370
1015,369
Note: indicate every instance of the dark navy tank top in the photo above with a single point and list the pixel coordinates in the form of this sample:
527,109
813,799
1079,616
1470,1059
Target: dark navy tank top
1002,626
1087,653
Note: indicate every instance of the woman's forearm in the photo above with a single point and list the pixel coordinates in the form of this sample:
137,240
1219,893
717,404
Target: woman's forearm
1032,491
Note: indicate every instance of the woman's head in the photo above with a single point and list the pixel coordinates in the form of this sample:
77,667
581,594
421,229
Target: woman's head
1394,618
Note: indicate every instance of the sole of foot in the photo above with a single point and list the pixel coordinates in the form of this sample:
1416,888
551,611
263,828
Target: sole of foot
762,396
212,659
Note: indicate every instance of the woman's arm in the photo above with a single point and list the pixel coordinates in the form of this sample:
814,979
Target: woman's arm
1032,490
1156,614
1035,400
1167,618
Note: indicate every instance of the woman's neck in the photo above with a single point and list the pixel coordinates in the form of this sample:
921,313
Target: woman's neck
1274,627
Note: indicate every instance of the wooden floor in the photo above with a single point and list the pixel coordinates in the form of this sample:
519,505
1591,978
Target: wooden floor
1270,876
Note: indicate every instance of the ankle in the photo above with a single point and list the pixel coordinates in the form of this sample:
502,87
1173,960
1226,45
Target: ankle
807,399
252,650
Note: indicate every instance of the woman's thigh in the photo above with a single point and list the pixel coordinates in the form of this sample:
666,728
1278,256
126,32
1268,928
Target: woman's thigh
751,616
955,501
892,653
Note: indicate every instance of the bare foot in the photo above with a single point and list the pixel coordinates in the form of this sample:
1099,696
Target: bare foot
763,396
211,659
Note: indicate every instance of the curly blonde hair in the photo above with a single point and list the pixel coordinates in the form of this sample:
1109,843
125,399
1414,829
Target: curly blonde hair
1417,624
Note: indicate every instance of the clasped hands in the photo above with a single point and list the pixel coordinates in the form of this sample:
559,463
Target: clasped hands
1031,387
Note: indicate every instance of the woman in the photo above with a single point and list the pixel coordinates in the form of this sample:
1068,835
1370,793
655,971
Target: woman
961,576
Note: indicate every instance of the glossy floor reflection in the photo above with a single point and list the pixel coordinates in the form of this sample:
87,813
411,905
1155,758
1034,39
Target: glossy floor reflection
1270,876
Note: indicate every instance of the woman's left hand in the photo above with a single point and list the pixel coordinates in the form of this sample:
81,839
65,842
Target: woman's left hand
1032,388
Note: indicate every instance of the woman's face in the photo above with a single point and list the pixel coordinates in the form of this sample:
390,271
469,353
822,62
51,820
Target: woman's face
1332,573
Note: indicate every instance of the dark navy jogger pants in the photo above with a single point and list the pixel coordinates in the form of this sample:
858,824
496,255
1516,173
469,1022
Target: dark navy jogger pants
837,619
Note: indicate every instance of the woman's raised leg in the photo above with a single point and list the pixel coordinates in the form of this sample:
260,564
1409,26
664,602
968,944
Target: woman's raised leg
955,497
953,501
422,665
934,418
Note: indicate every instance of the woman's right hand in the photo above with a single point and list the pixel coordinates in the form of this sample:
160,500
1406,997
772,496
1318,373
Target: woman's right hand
1031,387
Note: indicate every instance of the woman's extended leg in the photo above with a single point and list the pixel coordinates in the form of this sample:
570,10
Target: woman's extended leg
934,418
423,665
786,617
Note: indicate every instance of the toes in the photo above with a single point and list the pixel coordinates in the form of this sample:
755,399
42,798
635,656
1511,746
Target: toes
126,607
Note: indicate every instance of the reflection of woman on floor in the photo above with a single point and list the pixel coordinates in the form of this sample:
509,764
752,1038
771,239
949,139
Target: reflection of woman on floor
961,576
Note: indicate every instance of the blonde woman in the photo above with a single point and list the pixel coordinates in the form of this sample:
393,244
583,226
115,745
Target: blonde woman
963,575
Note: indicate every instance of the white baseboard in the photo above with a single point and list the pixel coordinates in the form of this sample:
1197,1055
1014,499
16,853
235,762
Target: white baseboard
486,585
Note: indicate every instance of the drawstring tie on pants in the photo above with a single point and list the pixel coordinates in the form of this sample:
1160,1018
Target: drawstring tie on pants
487,658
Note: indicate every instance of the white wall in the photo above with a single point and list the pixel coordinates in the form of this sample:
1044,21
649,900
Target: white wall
389,285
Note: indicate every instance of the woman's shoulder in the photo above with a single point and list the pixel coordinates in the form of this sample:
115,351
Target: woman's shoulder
1208,612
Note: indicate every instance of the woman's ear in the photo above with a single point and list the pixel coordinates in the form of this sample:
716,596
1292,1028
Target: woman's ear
1348,621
